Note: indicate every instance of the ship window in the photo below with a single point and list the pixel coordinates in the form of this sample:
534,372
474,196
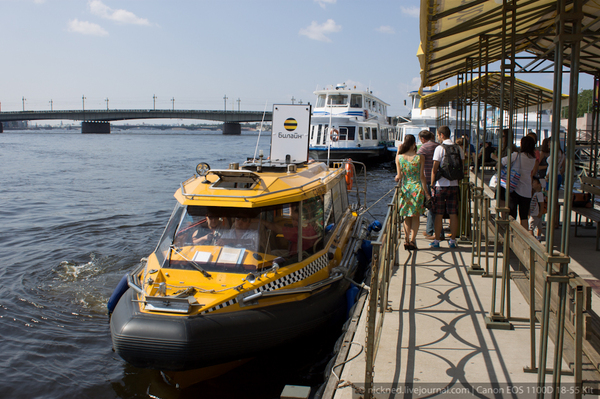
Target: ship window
360,133
351,132
319,135
321,100
374,135
163,249
416,102
356,101
343,133
338,99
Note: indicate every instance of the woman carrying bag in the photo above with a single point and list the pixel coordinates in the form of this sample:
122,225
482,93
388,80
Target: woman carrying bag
526,164
410,168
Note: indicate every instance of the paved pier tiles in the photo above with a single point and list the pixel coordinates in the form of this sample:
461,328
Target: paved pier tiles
436,333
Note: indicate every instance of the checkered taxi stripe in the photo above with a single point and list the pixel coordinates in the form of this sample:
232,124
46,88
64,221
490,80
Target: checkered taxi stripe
291,278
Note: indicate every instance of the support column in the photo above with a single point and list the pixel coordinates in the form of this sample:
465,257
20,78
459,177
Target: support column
232,128
95,127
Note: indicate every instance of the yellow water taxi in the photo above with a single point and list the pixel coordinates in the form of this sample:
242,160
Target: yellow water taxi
253,257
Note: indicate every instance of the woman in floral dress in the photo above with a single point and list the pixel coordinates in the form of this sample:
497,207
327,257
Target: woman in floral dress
411,174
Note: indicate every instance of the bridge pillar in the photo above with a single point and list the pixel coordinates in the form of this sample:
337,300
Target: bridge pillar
95,127
232,128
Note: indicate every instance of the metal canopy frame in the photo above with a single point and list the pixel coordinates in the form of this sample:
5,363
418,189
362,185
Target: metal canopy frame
451,30
526,94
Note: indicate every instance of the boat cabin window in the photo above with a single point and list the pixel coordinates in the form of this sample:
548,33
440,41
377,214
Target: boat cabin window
356,101
321,100
338,99
238,240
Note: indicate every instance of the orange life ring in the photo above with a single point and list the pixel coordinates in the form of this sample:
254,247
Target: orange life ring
334,135
349,175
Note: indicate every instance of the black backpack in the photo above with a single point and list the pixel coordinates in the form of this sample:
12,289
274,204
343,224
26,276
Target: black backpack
451,166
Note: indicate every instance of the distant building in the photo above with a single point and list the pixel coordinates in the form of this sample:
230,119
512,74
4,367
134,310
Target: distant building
584,127
14,125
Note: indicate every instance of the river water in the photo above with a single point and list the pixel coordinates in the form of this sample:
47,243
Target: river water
77,212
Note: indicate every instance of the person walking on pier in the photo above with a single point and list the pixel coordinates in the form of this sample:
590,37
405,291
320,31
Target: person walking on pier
428,146
447,166
411,172
526,164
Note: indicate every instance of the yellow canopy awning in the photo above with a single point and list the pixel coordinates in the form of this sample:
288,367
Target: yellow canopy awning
451,31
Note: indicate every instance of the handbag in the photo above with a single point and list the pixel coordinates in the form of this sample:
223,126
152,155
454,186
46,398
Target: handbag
428,203
515,176
493,182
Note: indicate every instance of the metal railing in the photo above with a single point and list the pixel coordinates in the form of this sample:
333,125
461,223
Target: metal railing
385,253
550,287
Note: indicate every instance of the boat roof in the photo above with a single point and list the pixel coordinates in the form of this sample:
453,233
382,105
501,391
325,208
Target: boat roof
343,89
248,188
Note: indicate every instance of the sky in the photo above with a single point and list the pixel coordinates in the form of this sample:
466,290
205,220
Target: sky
190,54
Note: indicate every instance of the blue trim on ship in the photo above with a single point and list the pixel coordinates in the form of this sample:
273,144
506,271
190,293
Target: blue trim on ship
349,113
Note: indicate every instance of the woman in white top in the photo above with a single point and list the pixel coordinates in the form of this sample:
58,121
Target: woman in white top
526,164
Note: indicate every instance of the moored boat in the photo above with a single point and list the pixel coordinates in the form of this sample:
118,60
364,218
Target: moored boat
252,258
350,123
427,119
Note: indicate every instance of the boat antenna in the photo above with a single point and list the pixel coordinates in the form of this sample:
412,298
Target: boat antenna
260,130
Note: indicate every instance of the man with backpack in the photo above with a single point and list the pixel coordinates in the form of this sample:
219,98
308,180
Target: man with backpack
447,171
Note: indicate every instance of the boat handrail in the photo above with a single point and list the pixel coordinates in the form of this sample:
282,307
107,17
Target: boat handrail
299,290
133,284
245,197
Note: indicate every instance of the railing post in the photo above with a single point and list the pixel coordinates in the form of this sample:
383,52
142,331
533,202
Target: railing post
476,233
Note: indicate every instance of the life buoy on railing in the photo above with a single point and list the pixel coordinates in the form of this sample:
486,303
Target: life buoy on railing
349,174
334,135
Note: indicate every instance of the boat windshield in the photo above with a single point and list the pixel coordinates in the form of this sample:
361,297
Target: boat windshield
240,240
338,99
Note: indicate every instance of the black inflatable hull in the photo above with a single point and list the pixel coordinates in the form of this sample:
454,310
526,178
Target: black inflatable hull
185,343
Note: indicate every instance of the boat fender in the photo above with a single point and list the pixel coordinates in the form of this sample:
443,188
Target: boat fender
375,226
349,175
351,294
367,249
334,136
117,294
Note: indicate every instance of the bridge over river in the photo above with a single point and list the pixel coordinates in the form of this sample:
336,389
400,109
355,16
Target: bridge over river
98,121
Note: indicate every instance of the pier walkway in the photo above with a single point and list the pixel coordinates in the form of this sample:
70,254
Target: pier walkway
436,337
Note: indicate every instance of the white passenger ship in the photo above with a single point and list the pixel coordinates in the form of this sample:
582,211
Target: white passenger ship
350,123
426,119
